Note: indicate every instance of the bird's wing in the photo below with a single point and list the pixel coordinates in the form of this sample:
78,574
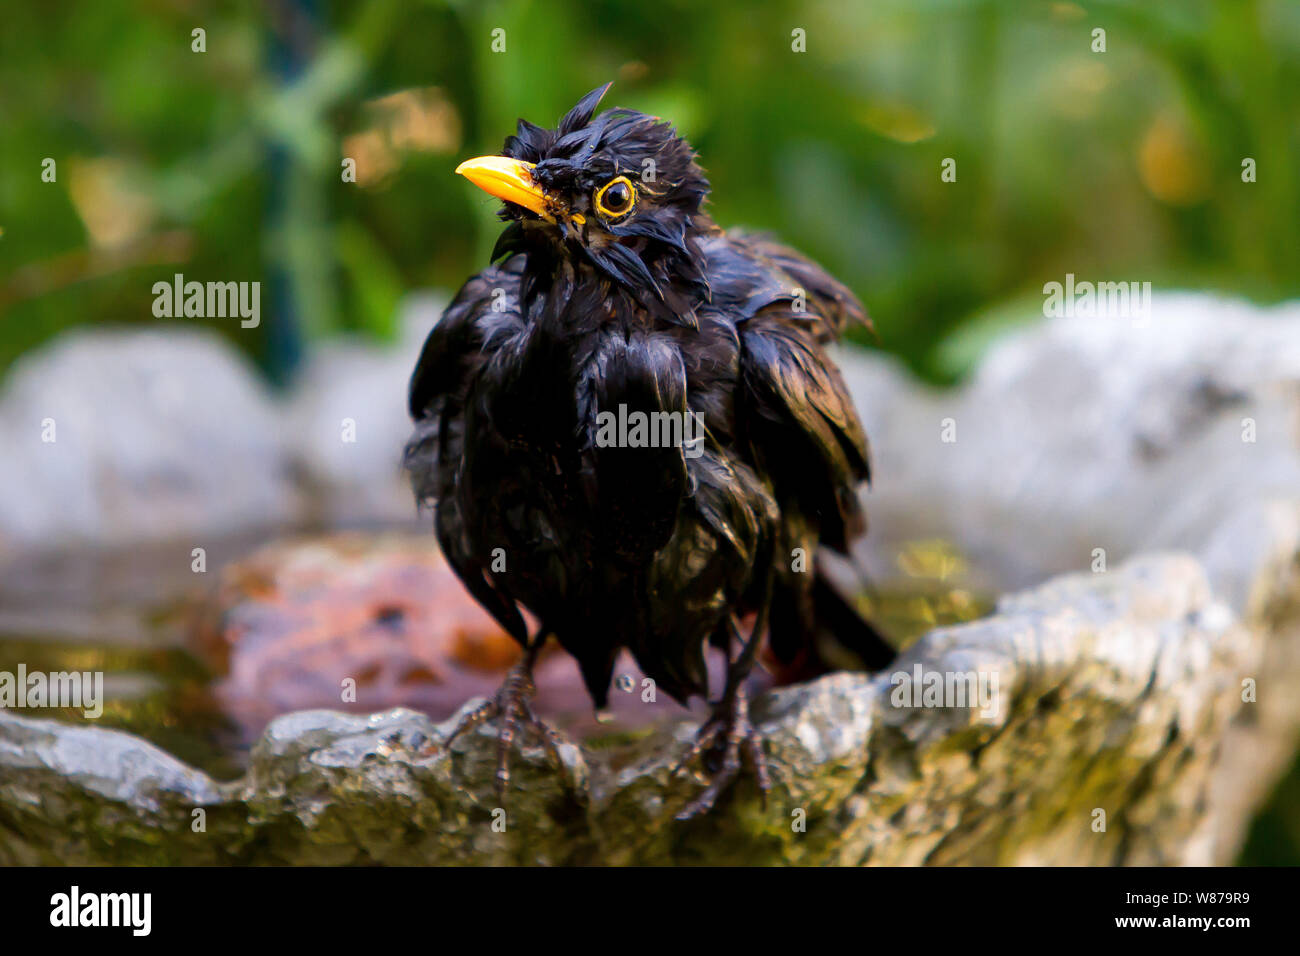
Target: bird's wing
486,306
832,306
482,314
794,412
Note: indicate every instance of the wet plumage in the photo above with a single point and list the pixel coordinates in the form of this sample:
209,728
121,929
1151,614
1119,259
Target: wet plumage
614,288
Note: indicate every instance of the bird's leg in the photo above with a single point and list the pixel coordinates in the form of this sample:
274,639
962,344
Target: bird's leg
729,733
512,705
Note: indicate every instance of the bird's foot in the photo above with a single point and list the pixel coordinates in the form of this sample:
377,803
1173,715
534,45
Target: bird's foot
513,706
723,739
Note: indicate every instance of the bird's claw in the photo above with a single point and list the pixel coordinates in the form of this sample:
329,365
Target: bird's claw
512,705
728,734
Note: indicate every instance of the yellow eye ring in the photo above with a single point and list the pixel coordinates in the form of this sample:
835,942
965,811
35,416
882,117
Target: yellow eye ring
616,211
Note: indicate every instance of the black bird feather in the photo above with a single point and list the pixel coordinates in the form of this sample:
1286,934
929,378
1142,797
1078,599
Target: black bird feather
657,549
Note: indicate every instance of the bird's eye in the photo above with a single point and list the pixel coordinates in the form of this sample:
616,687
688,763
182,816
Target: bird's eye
616,198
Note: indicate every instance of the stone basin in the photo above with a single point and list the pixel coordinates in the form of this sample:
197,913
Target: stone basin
1133,491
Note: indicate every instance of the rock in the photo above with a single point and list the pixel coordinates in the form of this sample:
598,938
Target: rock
1262,743
64,788
1113,693
167,434
1080,434
1081,439
113,438
347,424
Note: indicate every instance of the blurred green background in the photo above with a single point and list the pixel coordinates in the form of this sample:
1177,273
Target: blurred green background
226,164
1124,164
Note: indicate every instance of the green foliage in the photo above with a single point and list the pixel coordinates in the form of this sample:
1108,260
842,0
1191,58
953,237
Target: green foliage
226,164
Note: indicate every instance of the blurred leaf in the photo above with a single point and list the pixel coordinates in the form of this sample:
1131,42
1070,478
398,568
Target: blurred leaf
375,283
961,349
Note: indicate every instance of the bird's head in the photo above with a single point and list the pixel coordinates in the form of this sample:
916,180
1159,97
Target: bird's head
620,190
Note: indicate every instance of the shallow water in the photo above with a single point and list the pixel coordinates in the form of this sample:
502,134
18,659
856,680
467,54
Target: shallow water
139,617
131,615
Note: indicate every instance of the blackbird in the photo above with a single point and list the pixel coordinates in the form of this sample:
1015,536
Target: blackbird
630,428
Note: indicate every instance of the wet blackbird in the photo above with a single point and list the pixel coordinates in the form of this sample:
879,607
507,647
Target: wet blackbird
630,428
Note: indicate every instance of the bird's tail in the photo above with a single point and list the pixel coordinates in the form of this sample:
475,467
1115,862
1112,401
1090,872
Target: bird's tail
818,630
848,628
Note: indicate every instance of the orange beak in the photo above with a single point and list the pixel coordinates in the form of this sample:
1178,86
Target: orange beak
508,179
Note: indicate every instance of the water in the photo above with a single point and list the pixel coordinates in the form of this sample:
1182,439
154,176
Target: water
135,616
148,622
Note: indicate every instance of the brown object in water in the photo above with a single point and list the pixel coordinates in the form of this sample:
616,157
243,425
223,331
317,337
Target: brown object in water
298,618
